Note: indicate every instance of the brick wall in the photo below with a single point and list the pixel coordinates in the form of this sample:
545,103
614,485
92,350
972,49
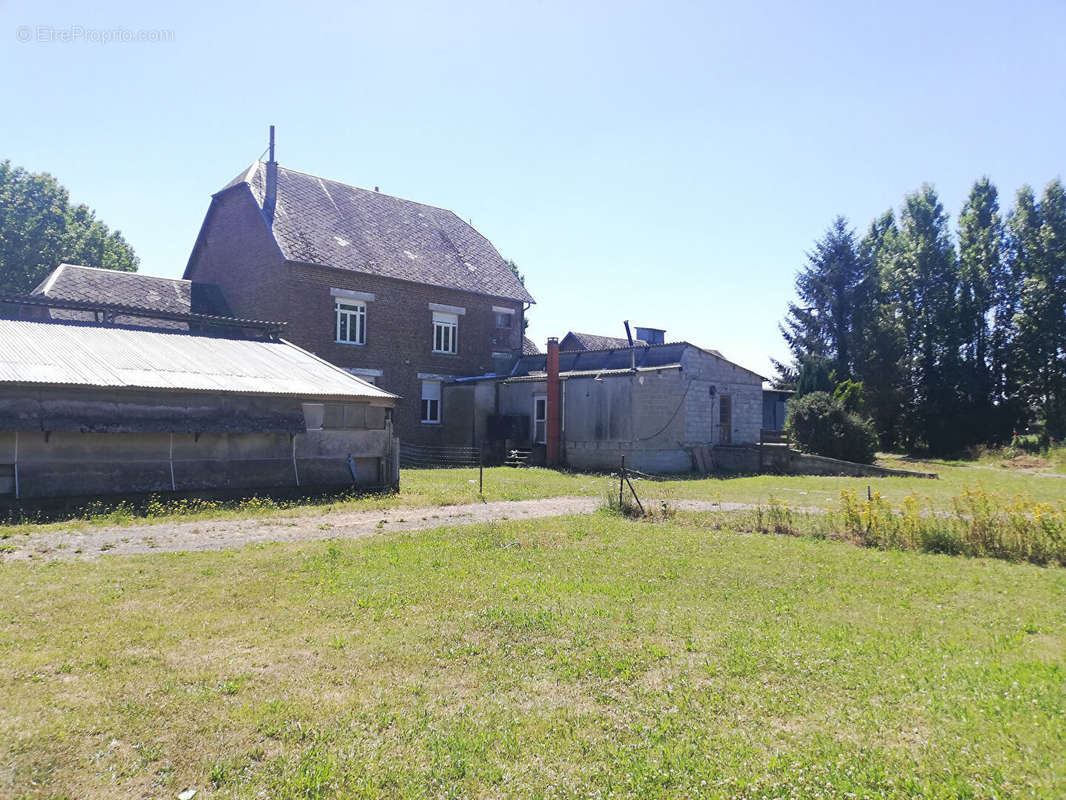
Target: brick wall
237,253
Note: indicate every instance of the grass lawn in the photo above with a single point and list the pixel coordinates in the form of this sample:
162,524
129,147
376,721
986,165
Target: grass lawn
437,487
587,656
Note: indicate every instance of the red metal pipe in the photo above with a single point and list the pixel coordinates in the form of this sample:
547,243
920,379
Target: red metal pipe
554,413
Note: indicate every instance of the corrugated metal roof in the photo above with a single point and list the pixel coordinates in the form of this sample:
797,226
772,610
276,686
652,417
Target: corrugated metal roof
589,373
63,354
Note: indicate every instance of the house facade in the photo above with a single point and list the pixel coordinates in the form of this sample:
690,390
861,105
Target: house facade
404,295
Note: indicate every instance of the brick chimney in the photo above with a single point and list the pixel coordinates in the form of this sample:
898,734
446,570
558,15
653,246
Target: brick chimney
552,432
270,195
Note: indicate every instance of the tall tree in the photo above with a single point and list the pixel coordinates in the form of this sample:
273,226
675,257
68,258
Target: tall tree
820,324
924,282
877,335
39,229
981,276
1038,263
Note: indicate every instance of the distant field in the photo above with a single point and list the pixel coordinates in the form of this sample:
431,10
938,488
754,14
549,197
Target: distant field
436,487
586,656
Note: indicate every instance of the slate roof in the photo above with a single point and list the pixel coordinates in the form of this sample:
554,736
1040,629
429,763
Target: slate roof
72,355
591,341
529,347
323,222
133,290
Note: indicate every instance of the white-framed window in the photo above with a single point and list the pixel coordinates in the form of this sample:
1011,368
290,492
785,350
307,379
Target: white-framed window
445,332
368,375
351,321
431,402
504,316
540,418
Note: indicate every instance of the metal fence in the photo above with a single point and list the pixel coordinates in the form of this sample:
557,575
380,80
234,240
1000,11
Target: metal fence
423,456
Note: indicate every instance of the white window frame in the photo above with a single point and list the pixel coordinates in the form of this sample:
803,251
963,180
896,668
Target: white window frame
543,421
445,333
349,312
431,393
504,313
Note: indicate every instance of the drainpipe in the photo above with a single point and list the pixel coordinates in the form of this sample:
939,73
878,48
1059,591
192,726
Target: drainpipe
170,458
553,398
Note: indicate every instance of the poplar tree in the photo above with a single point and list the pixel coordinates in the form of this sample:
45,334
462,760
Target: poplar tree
1038,262
980,278
924,282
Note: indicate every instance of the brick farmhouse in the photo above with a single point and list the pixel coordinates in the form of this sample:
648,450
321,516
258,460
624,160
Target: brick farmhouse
404,295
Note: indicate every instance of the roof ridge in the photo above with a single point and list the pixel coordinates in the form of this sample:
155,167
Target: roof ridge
350,186
124,272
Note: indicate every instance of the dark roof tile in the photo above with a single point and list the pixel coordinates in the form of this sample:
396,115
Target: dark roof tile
133,290
323,222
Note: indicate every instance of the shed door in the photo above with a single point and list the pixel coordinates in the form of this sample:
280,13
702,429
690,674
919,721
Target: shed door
725,419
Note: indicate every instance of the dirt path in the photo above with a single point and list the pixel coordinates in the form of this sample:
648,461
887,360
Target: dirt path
222,534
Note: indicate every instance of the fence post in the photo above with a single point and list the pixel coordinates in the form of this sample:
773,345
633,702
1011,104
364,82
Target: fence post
621,481
481,470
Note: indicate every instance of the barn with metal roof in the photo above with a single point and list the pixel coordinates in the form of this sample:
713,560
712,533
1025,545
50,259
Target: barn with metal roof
90,408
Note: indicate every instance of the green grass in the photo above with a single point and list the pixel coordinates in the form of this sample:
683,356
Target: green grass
588,656
436,487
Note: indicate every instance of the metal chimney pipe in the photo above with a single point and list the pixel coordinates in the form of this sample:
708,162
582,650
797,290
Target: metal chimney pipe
270,193
632,348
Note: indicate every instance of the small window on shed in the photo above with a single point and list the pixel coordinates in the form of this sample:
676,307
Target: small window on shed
314,414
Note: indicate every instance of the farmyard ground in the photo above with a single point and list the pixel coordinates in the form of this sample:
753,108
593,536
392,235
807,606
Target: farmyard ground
581,656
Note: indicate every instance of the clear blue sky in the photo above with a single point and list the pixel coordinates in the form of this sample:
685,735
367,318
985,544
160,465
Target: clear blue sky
669,163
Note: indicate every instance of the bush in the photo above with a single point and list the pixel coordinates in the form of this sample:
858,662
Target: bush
820,424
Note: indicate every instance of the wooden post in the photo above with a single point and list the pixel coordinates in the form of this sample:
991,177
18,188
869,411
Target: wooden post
621,481
481,470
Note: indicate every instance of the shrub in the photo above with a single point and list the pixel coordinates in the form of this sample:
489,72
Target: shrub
818,423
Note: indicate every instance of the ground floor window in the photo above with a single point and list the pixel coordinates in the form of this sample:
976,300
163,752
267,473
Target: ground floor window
431,402
540,418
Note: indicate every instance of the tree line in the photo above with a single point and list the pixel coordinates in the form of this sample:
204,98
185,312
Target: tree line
40,229
950,338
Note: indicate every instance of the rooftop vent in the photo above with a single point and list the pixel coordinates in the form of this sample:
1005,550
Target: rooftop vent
652,335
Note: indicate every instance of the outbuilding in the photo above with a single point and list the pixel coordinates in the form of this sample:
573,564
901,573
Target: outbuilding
91,408
654,404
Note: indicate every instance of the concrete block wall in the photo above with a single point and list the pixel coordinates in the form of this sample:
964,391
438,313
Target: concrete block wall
65,463
703,410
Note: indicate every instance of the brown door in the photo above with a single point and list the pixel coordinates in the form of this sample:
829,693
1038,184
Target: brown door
725,419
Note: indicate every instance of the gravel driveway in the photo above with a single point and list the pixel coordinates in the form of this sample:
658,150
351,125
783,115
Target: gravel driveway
93,542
